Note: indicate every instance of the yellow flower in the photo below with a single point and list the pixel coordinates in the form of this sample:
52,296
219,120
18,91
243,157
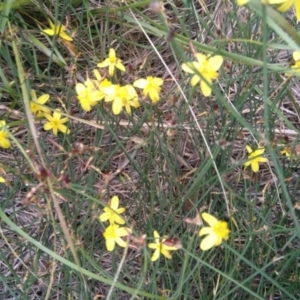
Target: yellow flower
112,62
254,158
56,123
112,213
161,247
2,180
87,95
59,30
287,4
37,104
207,67
151,87
216,232
286,151
122,96
4,141
113,234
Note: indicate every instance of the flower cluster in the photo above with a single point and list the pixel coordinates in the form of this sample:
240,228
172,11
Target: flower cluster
53,121
122,97
113,233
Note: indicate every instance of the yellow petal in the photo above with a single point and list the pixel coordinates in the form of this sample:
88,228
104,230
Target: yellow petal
152,246
119,219
49,31
166,253
80,88
103,217
215,62
154,96
121,242
205,231
209,219
190,67
205,88
56,115
86,105
157,81
52,26
110,244
208,242
2,180
155,255
201,58
104,64
65,36
249,150
117,106
33,95
286,5
47,126
120,66
195,79
297,9
247,163
64,129
140,83
111,70
156,235
241,2
112,53
4,141
262,159
114,202
296,54
43,99
255,166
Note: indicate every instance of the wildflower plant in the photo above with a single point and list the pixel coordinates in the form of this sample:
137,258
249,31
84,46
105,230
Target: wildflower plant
255,158
113,235
58,30
37,105
56,123
151,87
87,95
112,62
204,70
161,247
167,161
215,233
112,213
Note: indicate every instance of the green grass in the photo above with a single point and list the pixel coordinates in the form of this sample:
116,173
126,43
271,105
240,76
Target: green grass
166,162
